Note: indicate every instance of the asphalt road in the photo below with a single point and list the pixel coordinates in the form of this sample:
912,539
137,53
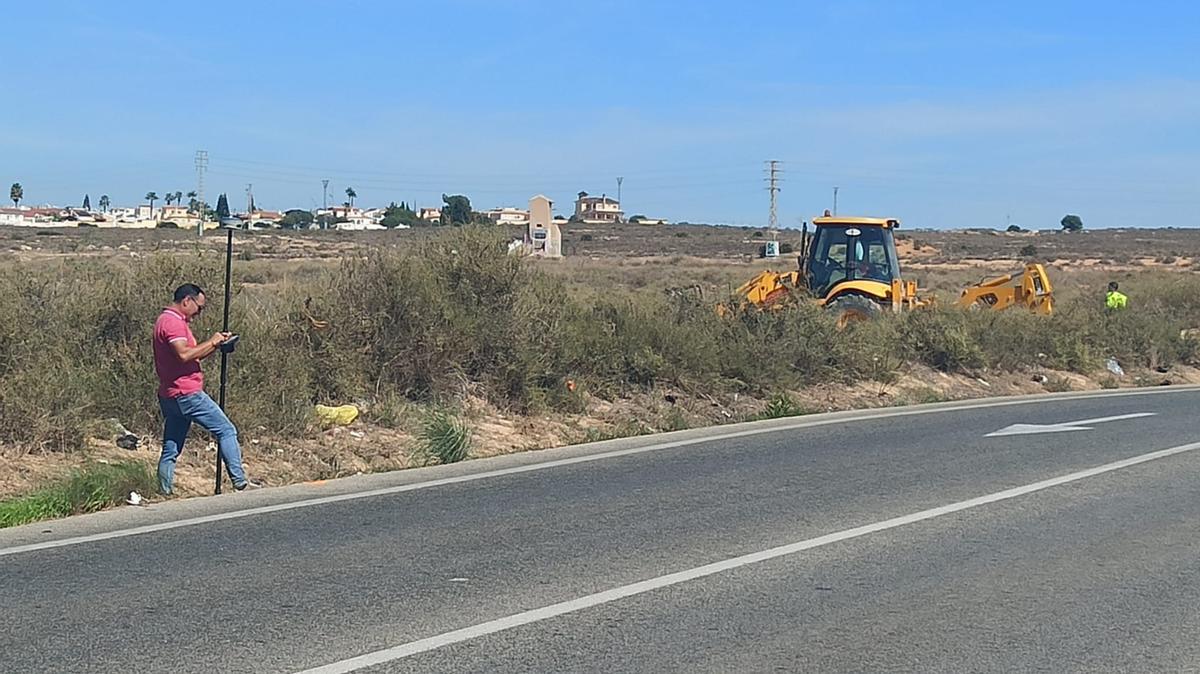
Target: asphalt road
562,561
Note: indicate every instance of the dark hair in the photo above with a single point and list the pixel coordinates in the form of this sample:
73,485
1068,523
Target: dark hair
1112,285
187,290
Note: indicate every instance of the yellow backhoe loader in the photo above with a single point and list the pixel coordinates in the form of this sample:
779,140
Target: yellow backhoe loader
849,265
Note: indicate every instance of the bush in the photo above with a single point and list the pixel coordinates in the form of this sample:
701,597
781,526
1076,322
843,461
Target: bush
445,438
780,406
942,339
457,316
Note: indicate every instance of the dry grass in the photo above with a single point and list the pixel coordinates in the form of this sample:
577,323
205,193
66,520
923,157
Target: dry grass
453,318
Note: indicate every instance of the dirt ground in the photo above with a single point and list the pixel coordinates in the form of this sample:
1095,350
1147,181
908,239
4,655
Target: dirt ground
363,448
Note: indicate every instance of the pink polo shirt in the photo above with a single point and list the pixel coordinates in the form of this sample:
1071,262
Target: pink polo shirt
175,377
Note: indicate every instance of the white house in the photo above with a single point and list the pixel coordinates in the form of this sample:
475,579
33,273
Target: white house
13,217
508,216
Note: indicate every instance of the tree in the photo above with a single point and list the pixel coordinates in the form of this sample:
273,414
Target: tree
1072,223
222,206
87,203
395,216
177,197
104,203
296,219
151,197
457,210
351,194
1014,229
193,204
16,193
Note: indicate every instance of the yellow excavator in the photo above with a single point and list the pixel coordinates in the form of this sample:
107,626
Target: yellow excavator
849,265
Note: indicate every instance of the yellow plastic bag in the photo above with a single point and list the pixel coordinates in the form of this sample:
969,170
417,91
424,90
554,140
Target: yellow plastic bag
336,416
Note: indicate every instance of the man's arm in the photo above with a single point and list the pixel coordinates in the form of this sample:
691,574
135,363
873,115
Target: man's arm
201,351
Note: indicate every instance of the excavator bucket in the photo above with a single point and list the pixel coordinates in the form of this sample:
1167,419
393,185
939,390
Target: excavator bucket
1031,289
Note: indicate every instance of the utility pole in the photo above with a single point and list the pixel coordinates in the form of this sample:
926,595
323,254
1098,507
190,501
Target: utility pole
773,180
619,181
201,166
325,194
835,191
249,202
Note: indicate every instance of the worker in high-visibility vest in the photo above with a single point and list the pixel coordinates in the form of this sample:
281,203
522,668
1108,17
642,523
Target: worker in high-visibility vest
1115,299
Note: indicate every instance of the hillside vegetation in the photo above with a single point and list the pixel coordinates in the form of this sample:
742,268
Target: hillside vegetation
455,316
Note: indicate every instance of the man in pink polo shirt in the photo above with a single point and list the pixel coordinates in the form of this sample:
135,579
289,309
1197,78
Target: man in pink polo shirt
181,396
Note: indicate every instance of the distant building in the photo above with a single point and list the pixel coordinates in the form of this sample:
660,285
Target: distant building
597,210
13,217
508,216
430,214
353,218
643,220
175,213
544,236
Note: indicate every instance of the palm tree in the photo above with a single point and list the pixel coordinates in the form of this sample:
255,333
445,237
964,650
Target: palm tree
178,197
16,193
351,194
104,203
151,197
192,201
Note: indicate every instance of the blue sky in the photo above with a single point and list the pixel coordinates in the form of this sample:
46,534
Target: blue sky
943,114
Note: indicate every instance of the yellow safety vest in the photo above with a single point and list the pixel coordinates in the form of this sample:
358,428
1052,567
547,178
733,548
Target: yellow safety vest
1115,300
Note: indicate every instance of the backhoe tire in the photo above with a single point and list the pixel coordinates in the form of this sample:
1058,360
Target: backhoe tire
849,309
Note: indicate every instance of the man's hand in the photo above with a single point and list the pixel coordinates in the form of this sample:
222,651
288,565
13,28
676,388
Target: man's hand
202,350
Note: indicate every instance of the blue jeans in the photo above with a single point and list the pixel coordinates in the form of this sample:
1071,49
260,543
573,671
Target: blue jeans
178,415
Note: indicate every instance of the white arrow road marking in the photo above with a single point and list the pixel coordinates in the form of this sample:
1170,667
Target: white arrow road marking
1083,425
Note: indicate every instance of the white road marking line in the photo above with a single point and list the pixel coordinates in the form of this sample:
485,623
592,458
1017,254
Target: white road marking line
1084,425
384,491
617,593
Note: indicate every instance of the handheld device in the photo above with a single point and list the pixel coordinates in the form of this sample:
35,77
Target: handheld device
230,344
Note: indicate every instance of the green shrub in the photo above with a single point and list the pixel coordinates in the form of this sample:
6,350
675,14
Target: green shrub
942,339
445,438
780,406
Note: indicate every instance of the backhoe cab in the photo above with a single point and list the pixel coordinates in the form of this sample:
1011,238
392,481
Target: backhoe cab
850,266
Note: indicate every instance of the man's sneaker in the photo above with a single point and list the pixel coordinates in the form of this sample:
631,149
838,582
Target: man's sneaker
248,484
